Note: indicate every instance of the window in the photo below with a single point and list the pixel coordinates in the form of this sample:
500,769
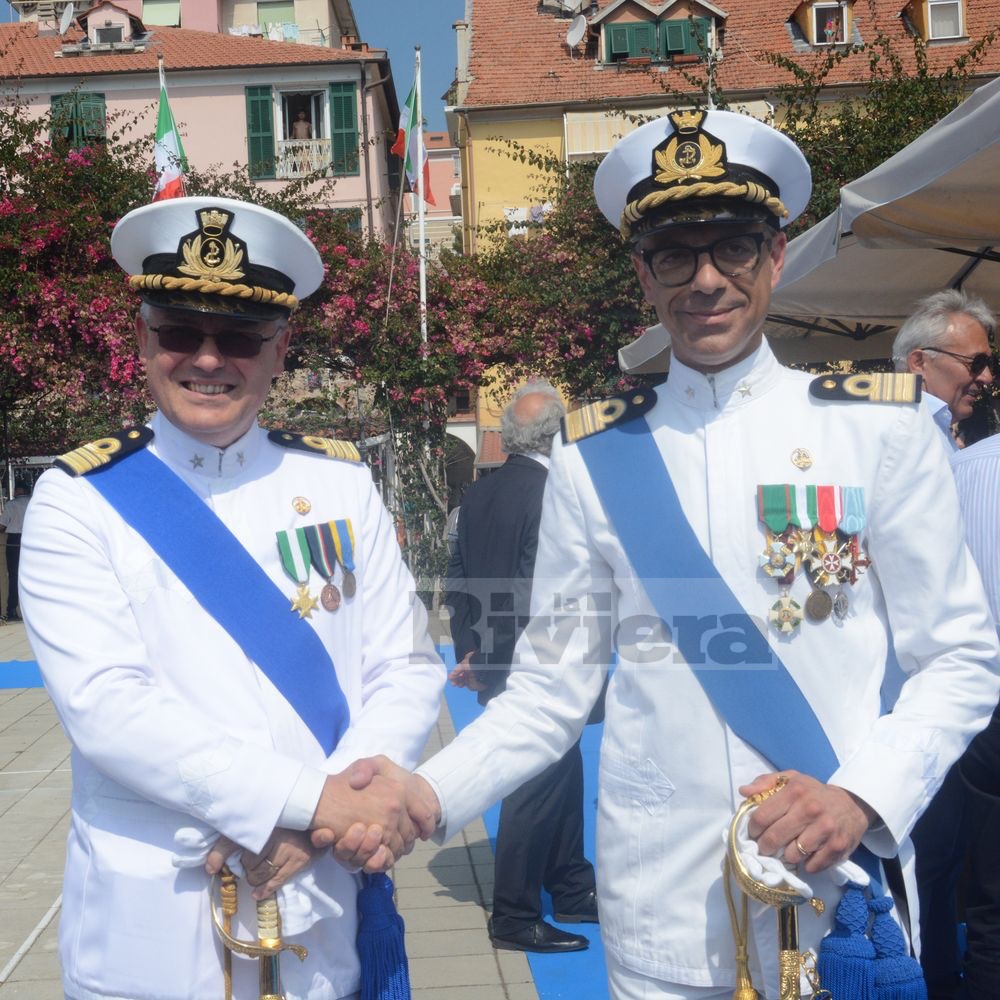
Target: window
687,37
107,36
275,12
260,132
828,22
945,18
78,119
629,41
344,128
657,39
166,12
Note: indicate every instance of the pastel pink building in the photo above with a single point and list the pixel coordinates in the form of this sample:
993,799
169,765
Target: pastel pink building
249,83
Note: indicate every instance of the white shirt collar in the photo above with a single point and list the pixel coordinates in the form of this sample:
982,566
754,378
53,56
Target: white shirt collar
737,385
941,414
182,450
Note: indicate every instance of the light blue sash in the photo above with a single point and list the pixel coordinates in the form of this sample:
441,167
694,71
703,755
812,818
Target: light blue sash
225,580
741,674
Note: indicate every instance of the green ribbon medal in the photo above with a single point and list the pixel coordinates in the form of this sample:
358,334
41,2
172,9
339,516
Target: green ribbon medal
294,551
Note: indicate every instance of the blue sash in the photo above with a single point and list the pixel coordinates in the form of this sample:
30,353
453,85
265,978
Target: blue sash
743,677
225,580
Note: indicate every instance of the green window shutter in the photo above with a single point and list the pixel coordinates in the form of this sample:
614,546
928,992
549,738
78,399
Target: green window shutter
674,36
616,40
344,128
91,117
643,40
62,107
260,133
697,31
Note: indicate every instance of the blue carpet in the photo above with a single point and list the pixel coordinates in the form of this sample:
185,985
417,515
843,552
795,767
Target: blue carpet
20,674
579,975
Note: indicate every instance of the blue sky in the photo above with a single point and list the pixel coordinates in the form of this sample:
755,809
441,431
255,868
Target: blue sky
399,25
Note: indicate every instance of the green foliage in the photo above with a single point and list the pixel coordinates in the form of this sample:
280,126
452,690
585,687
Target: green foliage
899,99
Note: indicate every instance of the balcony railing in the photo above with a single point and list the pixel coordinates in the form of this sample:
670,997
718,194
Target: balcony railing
298,157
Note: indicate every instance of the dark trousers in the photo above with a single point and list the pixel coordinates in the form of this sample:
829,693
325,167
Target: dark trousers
13,559
957,855
540,845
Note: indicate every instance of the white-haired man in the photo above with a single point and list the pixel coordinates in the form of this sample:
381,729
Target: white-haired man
947,341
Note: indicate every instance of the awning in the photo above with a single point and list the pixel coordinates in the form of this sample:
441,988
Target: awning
491,454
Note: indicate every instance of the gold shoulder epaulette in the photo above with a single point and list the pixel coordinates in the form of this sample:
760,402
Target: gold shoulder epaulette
605,413
104,451
875,387
331,447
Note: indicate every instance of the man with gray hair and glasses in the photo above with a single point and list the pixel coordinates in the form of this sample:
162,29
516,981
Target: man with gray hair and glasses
947,342
540,834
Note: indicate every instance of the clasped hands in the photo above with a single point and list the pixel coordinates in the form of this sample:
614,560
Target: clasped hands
368,815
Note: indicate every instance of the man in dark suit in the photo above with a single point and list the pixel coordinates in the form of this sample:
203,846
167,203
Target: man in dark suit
540,834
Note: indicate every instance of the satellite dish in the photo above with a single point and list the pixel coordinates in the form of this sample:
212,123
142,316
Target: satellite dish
66,20
576,30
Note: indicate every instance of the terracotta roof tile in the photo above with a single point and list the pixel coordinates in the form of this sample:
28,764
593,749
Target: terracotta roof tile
25,55
519,56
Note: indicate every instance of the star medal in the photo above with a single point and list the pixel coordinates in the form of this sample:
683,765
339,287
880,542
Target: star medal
785,615
831,560
294,551
343,540
323,550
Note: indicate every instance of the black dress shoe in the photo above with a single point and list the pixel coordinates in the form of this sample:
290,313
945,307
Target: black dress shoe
538,937
585,913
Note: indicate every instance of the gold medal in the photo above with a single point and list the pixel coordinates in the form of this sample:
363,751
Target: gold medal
301,505
350,584
304,602
330,597
801,459
819,604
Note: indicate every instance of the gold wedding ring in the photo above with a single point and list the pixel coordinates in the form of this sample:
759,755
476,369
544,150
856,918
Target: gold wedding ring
801,849
270,864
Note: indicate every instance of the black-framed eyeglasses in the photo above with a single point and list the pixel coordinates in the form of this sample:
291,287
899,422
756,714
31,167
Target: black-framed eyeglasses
976,363
231,343
733,256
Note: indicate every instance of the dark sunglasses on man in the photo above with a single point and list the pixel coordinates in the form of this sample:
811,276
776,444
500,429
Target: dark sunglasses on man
976,363
230,343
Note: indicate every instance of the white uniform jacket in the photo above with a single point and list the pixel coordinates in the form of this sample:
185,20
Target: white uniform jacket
174,728
670,766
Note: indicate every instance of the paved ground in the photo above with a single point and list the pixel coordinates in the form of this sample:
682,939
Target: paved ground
442,891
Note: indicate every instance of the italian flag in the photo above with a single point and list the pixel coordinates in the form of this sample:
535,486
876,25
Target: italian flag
405,146
168,154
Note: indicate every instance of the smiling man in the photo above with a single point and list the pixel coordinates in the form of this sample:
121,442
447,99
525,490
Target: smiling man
746,534
224,623
947,341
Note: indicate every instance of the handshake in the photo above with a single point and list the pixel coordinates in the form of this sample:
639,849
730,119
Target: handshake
371,814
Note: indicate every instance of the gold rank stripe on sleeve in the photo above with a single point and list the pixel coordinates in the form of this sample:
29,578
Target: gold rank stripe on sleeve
104,451
872,387
596,417
344,451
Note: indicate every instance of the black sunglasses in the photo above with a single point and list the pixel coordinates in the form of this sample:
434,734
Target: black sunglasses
231,343
733,256
977,363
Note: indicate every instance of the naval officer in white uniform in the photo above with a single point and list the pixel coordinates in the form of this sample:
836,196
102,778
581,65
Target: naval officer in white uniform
833,521
179,737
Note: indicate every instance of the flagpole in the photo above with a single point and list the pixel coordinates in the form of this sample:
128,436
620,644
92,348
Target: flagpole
420,206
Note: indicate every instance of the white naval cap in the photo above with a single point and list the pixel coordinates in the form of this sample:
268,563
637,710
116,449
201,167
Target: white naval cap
217,255
701,166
